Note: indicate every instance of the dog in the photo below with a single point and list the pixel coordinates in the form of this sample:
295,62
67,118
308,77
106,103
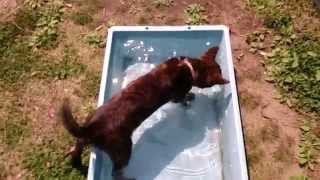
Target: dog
110,127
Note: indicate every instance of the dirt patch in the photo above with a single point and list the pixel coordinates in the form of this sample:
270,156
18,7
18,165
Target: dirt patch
7,7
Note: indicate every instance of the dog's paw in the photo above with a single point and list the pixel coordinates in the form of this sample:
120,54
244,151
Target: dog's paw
188,99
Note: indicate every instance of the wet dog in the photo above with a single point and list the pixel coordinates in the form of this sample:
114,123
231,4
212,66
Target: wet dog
110,127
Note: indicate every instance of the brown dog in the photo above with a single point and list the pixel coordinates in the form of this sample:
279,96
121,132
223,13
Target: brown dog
111,125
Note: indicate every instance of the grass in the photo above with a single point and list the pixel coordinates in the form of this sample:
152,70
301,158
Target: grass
19,64
294,61
15,129
34,4
293,64
309,147
195,14
256,41
67,67
295,68
81,18
46,32
93,39
163,3
17,126
8,33
27,18
90,84
47,159
26,42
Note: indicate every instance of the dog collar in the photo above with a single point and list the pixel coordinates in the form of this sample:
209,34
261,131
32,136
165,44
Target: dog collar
193,73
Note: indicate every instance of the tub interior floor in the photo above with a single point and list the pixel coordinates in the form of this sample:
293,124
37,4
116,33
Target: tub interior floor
177,141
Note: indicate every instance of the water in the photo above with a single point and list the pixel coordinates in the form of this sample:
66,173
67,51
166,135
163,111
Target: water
129,48
177,142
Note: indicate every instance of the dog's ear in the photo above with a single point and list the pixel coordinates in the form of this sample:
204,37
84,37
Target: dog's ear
210,55
216,77
221,80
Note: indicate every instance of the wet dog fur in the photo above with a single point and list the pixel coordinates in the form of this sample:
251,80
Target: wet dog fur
110,127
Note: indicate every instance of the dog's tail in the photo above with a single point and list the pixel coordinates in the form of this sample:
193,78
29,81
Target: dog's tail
69,122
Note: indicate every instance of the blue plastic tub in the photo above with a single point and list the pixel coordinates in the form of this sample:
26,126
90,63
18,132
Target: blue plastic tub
154,44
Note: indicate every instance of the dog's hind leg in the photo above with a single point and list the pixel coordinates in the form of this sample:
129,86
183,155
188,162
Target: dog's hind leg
121,158
76,151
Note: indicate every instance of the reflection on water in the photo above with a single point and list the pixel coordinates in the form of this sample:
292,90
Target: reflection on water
139,49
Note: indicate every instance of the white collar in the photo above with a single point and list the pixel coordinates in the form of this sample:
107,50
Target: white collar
193,73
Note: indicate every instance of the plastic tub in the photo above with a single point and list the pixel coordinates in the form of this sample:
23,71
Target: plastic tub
208,144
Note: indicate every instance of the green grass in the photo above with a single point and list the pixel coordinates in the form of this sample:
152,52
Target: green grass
256,41
195,14
26,18
16,63
294,61
33,28
17,127
34,4
293,64
93,39
67,67
8,33
278,19
19,64
81,18
90,84
46,32
47,160
295,68
309,147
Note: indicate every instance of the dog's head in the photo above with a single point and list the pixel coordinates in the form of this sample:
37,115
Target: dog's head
208,70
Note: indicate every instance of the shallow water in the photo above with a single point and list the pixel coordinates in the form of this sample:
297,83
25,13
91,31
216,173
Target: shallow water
129,48
177,142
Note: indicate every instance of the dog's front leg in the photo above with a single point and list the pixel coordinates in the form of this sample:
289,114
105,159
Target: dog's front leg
185,99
